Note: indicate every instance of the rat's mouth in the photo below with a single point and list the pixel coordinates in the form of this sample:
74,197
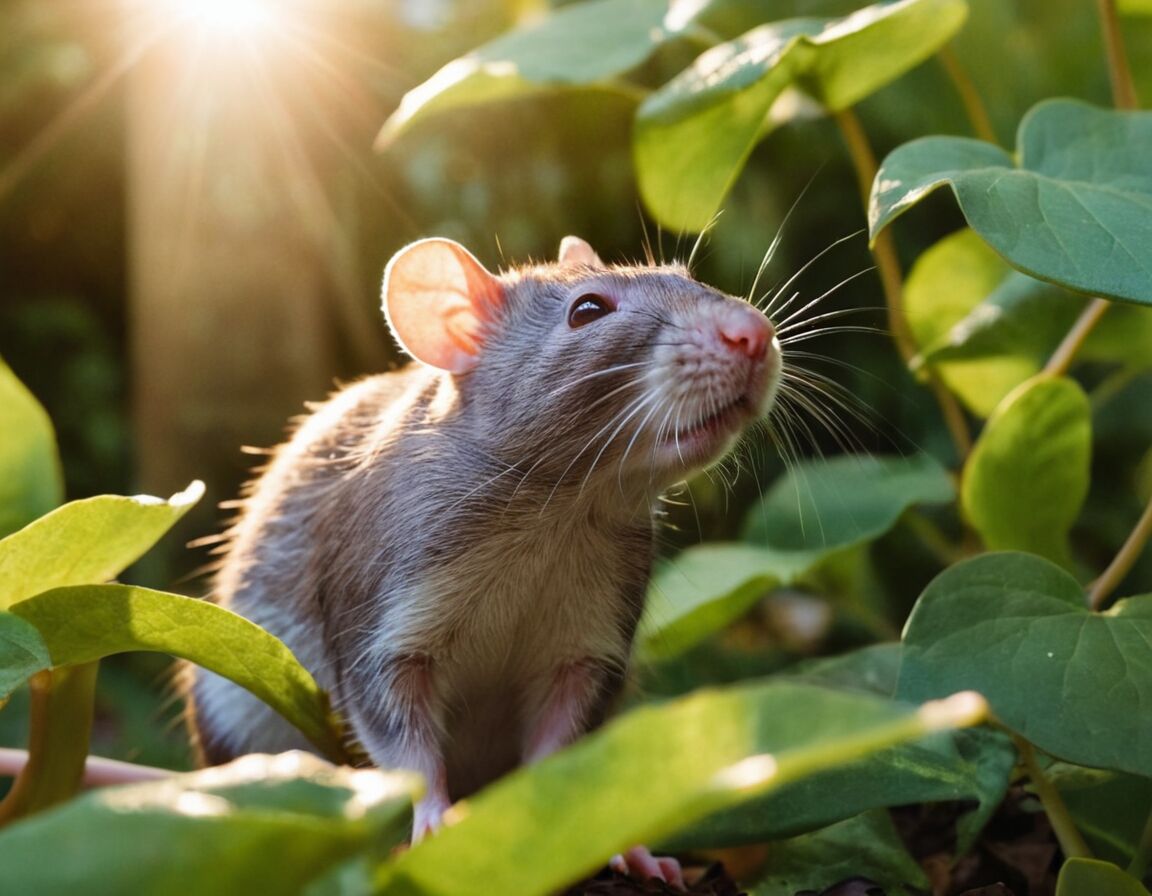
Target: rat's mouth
708,436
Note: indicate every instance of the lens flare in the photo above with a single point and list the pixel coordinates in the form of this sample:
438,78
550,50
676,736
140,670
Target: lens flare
229,18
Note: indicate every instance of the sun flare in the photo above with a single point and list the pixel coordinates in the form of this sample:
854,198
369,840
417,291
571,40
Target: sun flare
229,18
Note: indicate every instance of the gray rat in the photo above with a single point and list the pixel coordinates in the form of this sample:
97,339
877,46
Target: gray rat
459,551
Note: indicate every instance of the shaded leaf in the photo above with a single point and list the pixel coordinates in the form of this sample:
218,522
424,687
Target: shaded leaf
1027,476
30,478
582,44
1076,210
86,542
262,824
22,653
83,623
694,134
1091,877
1016,628
826,506
1109,808
676,762
867,845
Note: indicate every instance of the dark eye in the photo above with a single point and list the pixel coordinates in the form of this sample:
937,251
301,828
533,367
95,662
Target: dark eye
587,308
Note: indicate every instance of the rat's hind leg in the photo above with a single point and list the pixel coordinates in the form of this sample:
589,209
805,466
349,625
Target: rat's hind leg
401,726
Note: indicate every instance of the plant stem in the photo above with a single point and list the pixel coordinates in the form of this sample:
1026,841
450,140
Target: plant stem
1123,561
969,95
1138,867
891,279
1123,89
1061,359
1070,839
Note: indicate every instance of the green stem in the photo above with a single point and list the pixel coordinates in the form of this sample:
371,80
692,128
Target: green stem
973,104
1061,359
892,281
1124,560
934,539
1123,89
61,723
1071,842
1141,859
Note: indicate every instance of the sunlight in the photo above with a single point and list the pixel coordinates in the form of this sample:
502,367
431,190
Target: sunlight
229,18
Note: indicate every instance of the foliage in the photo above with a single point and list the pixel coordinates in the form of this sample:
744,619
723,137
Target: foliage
1028,327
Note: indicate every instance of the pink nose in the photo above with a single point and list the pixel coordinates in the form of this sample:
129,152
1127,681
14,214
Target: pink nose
746,330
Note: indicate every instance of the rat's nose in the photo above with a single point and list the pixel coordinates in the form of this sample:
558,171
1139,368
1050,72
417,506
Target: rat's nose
744,329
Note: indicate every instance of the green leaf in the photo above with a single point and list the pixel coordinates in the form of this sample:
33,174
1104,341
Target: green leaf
1109,808
22,653
706,588
983,327
30,480
83,623
86,542
582,44
1027,476
1134,7
825,506
1076,210
263,824
973,764
677,762
1016,628
872,669
867,845
1091,877
694,135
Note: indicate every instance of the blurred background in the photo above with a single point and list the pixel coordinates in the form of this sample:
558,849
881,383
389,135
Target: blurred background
193,226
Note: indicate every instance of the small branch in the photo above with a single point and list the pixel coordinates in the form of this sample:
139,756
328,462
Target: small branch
1061,359
973,103
1070,839
892,281
1123,89
1123,561
98,771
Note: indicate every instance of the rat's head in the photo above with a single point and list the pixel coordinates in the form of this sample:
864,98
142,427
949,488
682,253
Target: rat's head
577,370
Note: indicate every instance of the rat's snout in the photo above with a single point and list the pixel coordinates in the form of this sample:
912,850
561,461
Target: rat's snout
744,329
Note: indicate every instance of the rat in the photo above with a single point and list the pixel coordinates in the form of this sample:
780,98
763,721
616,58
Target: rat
459,551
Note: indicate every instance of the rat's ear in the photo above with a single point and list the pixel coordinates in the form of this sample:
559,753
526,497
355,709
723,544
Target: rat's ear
574,250
438,299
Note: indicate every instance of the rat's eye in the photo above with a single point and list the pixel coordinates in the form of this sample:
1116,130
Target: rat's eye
589,307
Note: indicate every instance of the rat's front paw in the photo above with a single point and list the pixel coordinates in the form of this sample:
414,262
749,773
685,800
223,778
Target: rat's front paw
639,862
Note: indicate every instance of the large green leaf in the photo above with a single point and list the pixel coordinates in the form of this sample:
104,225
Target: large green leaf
86,542
1027,476
1016,628
982,326
1091,877
867,845
22,653
1076,209
30,480
825,506
263,824
582,44
694,134
83,623
675,763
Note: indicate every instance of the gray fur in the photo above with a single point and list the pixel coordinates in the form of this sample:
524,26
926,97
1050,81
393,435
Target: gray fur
437,548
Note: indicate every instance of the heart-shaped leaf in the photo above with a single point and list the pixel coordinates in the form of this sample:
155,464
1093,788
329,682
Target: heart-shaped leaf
1027,476
1016,628
30,480
86,542
694,134
83,623
1076,209
262,824
582,44
677,762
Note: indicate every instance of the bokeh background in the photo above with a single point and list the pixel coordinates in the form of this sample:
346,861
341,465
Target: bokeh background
194,222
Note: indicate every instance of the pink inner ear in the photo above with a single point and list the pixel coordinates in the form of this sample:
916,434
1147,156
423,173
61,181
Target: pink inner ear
575,251
438,299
